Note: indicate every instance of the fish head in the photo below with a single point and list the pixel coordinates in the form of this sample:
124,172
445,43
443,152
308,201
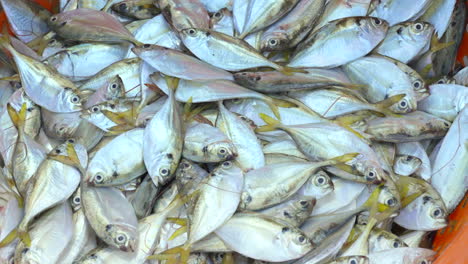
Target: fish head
294,241
222,150
122,7
274,42
318,185
352,260
379,24
69,100
247,79
303,207
162,166
194,33
122,237
388,199
426,213
406,165
383,240
421,29
374,174
218,16
405,105
75,200
98,174
438,126
115,88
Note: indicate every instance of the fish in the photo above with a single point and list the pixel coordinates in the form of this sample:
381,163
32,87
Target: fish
438,14
28,20
406,41
185,14
138,9
336,9
226,52
317,49
293,28
163,137
406,165
449,163
395,12
292,243
222,21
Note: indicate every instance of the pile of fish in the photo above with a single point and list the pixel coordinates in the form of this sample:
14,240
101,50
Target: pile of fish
230,131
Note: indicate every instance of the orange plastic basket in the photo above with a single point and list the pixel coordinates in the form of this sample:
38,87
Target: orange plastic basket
451,243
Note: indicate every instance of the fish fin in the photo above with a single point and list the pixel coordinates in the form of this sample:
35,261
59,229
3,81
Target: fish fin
345,158
122,118
172,82
274,108
290,70
9,238
353,86
283,103
345,167
436,45
383,106
179,221
15,78
373,198
410,198
18,118
119,129
188,106
271,125
228,259
183,253
25,238
201,119
70,159
181,230
425,71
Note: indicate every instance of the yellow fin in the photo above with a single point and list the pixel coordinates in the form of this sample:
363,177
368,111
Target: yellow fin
290,70
228,259
271,125
25,238
18,118
283,103
179,221
436,45
9,238
345,158
178,232
127,117
11,78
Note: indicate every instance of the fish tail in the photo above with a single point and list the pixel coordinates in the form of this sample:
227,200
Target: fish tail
290,70
172,83
9,238
181,253
436,45
274,108
271,123
24,237
382,106
181,230
18,118
228,259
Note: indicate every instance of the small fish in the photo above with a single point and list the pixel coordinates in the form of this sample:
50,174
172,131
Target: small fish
336,9
185,14
395,11
222,21
138,9
406,165
294,27
362,33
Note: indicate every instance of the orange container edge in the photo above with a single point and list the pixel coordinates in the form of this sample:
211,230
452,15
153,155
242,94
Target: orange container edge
451,243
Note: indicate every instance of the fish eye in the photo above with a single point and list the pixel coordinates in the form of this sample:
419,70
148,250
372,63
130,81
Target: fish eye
77,200
391,202
353,261
423,262
24,251
123,7
186,165
218,15
377,21
191,31
446,124
98,178
53,19
95,109
302,239
227,164
304,203
120,239
75,99
147,46
222,151
396,244
371,174
321,180
273,42
417,84
71,141
58,151
164,172
285,229
409,158
437,212
418,26
426,199
403,104
114,86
